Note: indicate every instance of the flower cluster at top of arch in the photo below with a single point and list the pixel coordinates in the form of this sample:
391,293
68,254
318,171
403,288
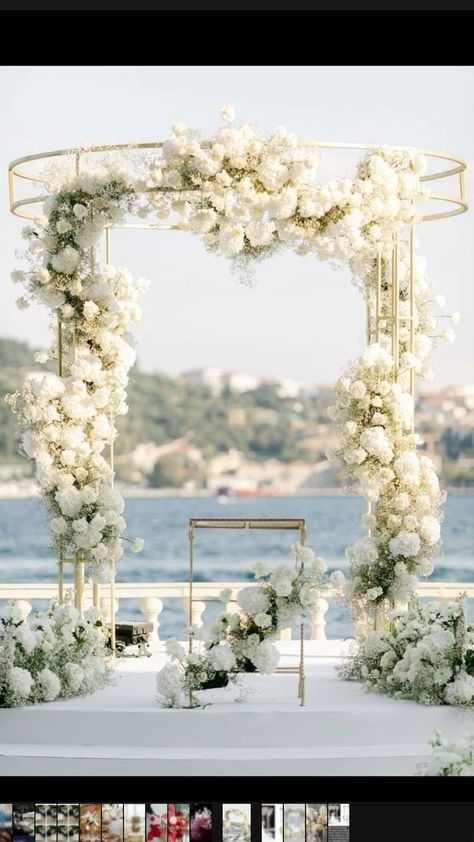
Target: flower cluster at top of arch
246,196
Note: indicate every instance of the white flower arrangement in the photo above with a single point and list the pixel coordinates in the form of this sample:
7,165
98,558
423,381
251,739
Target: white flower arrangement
242,641
428,656
451,758
57,654
67,422
379,452
246,195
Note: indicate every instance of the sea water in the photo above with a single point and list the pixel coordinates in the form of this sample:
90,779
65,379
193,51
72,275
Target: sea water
333,523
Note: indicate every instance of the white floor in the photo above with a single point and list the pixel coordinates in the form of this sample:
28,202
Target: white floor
122,730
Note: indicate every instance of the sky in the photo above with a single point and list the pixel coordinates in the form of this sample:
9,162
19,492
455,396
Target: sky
302,319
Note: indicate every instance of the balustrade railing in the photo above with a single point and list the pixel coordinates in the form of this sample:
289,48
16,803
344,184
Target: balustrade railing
151,596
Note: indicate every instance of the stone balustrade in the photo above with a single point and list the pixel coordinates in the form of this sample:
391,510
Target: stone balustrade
151,597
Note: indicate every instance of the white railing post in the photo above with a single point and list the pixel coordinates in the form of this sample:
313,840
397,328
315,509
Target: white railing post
317,617
24,608
151,608
197,610
105,608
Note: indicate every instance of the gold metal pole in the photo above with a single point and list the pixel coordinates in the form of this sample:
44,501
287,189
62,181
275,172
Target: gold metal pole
59,355
76,583
107,246
95,595
395,309
412,314
112,611
191,574
190,606
378,298
301,679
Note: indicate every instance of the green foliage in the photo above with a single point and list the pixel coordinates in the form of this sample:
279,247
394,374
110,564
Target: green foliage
259,423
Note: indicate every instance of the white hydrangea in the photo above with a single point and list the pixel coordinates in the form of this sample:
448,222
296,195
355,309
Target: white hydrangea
49,684
253,600
170,684
406,544
221,657
375,442
430,529
461,690
21,682
265,657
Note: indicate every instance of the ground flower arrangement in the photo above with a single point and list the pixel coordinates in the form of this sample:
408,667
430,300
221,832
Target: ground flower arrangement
428,656
56,655
241,641
451,758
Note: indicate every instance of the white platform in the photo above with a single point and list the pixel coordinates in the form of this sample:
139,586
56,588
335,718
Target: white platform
122,730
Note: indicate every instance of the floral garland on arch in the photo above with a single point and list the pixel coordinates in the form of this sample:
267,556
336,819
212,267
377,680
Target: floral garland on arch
246,196
67,421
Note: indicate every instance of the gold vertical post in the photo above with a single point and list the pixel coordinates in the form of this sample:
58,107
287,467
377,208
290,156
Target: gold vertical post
412,313
395,309
95,595
112,611
190,606
191,574
378,297
367,319
59,355
301,679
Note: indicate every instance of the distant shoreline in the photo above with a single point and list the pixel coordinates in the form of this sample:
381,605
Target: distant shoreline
145,493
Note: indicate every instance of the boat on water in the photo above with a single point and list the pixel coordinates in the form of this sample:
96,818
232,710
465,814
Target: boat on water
227,493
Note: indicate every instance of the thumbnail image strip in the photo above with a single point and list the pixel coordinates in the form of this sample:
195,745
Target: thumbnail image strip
200,822
338,822
112,822
134,822
272,822
46,822
68,822
316,822
89,822
5,823
156,822
178,822
294,822
23,822
236,823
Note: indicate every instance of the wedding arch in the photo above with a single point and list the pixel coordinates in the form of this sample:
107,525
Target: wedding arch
247,196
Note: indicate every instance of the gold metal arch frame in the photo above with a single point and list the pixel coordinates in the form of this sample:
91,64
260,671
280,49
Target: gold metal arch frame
445,166
379,315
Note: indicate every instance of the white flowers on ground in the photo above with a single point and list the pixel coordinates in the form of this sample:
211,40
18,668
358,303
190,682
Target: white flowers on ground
55,654
451,758
242,641
169,683
428,656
